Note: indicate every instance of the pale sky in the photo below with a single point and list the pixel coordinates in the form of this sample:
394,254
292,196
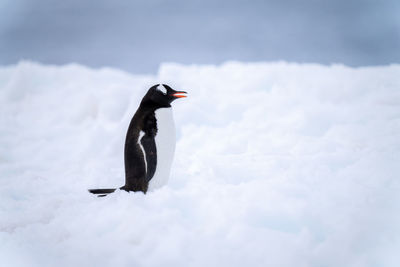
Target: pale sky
138,35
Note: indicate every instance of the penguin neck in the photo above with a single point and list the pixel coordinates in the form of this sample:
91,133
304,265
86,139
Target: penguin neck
151,106
145,109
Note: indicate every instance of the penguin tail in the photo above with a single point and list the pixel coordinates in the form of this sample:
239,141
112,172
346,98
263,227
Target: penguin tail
102,192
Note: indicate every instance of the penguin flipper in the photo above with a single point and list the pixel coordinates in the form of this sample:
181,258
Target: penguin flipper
149,145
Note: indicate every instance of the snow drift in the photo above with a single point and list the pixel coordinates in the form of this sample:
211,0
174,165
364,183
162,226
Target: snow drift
276,164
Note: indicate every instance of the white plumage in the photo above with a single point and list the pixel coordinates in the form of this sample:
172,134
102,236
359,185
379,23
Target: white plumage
141,134
165,145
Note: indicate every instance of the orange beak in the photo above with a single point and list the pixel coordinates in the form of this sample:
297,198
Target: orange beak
180,94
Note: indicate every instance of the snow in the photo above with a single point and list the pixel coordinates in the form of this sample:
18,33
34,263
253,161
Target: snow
276,164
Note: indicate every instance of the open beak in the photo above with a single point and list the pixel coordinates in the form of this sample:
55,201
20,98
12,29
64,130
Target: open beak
179,94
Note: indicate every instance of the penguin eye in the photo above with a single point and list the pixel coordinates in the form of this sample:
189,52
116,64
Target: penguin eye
162,89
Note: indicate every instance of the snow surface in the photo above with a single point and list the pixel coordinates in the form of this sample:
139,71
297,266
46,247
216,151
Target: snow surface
276,164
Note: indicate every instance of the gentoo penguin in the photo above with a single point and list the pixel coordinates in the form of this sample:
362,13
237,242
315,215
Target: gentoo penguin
150,142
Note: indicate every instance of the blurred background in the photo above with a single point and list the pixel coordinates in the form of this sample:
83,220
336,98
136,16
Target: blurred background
138,35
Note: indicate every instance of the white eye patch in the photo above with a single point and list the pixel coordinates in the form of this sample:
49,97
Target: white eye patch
162,89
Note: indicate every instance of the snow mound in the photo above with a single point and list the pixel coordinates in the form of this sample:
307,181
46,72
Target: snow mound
276,164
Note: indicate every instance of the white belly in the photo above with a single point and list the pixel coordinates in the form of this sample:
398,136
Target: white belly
165,144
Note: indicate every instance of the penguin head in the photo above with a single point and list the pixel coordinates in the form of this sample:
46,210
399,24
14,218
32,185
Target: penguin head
161,95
